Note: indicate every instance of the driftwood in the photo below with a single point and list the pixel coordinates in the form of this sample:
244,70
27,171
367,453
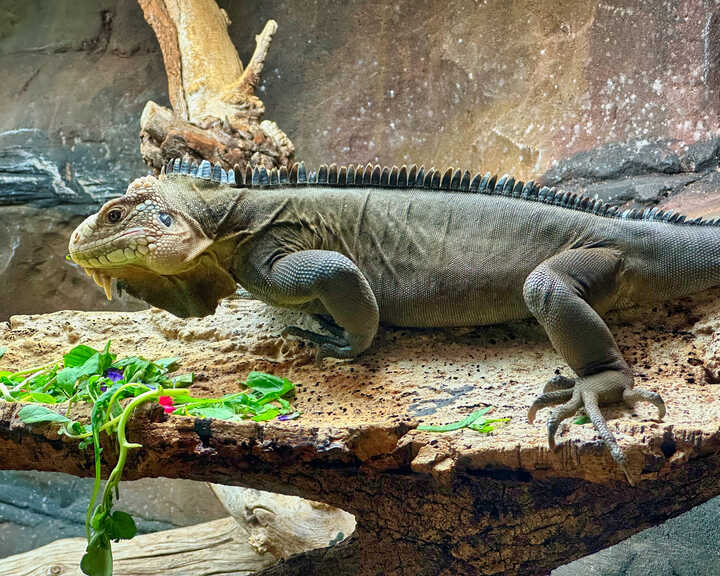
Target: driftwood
456,503
213,548
264,528
216,115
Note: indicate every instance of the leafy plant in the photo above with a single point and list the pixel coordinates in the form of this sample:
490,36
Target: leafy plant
114,388
475,421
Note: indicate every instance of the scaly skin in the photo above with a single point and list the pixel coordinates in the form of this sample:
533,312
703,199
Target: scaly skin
405,257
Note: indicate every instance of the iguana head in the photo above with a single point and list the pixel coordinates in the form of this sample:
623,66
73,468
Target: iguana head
146,231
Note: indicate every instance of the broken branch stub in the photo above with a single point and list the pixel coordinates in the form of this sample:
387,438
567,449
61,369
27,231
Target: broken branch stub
216,116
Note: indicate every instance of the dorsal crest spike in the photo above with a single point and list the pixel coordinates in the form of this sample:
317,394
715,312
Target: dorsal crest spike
264,176
274,176
393,177
375,175
205,170
385,177
446,179
333,174
402,180
217,173
455,180
322,174
500,184
436,180
342,176
517,189
283,175
420,178
465,181
367,174
508,187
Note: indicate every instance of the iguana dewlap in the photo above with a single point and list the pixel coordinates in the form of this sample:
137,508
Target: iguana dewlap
405,248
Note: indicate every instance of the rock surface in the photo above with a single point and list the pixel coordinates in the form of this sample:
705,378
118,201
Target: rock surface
357,431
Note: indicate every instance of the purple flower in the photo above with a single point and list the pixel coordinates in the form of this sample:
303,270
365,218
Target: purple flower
114,374
291,416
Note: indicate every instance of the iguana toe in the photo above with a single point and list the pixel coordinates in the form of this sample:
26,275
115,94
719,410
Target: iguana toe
561,413
552,398
330,326
314,337
633,395
327,346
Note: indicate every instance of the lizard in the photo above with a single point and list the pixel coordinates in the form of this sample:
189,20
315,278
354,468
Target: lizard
358,246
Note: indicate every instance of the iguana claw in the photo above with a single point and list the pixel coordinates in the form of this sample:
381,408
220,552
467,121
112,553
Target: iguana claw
327,346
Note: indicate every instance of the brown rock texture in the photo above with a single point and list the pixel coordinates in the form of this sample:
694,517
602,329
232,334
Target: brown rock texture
455,503
487,85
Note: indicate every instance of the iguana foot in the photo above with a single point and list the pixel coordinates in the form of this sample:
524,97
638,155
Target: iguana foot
588,392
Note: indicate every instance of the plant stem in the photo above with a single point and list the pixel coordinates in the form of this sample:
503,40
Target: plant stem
35,369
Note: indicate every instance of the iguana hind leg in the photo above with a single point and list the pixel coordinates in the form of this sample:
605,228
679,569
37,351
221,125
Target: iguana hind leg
565,293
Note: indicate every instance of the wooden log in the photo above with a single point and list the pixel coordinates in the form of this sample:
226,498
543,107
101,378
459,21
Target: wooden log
456,503
218,548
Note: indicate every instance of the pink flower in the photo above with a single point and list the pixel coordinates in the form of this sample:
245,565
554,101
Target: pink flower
167,403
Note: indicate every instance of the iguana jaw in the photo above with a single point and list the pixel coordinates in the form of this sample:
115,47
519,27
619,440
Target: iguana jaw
141,230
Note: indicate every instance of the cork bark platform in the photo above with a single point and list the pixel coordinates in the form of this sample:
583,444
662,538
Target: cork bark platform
453,503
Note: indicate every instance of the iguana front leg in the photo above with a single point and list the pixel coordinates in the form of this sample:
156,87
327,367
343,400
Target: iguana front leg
339,286
564,294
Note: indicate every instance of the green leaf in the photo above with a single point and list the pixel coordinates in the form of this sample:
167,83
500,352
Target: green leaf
43,398
78,355
265,384
97,561
464,423
267,414
35,413
168,363
183,380
217,412
66,379
121,526
582,420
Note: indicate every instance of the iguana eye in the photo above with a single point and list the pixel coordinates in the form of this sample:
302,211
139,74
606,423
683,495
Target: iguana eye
114,216
165,218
